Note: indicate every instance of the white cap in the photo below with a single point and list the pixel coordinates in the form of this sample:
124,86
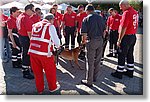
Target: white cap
49,16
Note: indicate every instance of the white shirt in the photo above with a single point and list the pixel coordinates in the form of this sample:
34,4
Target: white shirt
54,36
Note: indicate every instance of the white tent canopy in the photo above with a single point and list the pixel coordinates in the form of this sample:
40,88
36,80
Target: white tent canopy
37,5
63,6
21,5
12,4
46,6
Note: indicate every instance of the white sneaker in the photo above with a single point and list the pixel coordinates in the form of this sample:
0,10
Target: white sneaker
58,87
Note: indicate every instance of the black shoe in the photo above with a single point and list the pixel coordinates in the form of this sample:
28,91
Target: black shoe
129,73
116,56
117,74
110,55
85,83
27,75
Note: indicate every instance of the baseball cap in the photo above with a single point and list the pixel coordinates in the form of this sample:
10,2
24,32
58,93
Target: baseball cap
49,16
89,7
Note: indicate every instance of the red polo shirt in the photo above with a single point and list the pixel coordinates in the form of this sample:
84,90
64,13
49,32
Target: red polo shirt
129,20
4,17
113,22
59,16
56,19
35,18
11,23
69,19
80,18
24,24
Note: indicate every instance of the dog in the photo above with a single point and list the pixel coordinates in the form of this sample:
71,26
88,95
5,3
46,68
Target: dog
72,55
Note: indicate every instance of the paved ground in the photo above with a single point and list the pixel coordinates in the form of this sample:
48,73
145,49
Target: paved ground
12,82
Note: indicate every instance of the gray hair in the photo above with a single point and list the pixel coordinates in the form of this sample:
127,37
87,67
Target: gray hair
124,2
49,16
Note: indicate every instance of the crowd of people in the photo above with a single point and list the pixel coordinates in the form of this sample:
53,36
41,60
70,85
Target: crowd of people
32,39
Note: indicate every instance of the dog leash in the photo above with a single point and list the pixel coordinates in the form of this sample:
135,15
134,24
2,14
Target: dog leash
58,52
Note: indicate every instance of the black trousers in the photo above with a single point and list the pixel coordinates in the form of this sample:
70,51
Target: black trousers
16,52
79,38
105,40
70,31
126,50
25,43
113,40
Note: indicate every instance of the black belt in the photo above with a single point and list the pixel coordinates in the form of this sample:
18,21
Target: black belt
129,34
113,30
23,36
70,26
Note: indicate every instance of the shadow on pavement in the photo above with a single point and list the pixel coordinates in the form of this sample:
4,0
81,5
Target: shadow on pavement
15,83
105,84
70,81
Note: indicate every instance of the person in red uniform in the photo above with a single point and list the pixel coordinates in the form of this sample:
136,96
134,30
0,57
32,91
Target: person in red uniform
69,26
59,16
3,23
126,40
56,22
36,17
112,27
14,37
80,16
5,48
24,26
43,37
4,17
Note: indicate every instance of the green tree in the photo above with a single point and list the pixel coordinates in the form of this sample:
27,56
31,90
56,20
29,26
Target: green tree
136,4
